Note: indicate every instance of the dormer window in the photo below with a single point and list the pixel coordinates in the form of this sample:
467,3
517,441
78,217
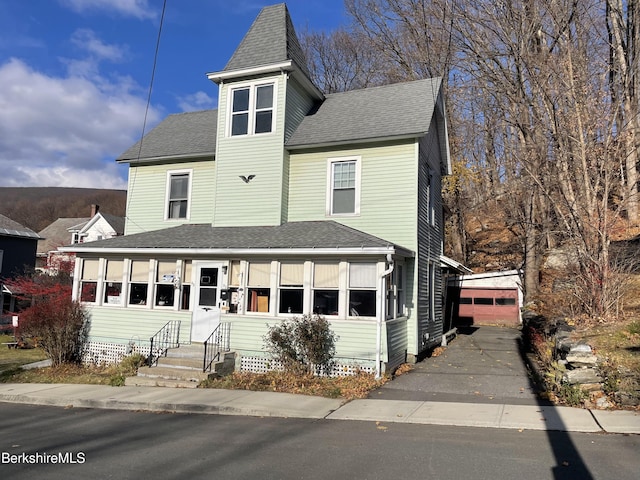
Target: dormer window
252,110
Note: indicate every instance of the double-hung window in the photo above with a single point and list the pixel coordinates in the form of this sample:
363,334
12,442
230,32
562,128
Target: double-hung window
139,282
291,287
259,286
178,188
113,282
165,288
326,288
343,192
252,109
362,289
89,280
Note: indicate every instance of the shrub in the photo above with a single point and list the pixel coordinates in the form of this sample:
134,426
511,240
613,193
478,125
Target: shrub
303,345
57,323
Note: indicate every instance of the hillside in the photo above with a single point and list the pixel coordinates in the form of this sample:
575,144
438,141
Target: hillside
37,207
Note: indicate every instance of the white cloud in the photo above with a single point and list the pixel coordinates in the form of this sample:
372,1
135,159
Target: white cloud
66,131
129,8
86,39
196,101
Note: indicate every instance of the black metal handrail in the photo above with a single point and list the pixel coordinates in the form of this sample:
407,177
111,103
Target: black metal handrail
167,337
218,341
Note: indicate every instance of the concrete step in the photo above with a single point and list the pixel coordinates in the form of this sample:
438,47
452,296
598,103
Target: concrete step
158,382
194,350
171,373
194,363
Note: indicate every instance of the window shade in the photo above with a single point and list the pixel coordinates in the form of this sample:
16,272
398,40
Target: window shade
90,269
114,270
326,275
165,267
260,274
234,276
362,275
291,274
140,271
186,271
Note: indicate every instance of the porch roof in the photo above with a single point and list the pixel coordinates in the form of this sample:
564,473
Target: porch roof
313,237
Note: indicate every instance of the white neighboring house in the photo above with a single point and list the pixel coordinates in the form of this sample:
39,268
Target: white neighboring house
72,231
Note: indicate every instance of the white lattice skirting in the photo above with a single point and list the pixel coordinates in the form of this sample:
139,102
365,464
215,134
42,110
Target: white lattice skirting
103,353
263,364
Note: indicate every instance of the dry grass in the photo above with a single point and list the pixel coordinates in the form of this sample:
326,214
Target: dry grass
348,387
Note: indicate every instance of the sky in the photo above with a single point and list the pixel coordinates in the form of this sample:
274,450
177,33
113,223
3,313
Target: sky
75,76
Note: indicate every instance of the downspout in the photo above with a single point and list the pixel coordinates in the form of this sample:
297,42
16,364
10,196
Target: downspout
383,304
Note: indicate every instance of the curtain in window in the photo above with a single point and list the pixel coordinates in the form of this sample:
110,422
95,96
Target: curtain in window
326,275
140,271
291,274
362,275
114,270
90,269
260,274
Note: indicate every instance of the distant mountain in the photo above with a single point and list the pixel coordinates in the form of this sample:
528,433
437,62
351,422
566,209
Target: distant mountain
37,207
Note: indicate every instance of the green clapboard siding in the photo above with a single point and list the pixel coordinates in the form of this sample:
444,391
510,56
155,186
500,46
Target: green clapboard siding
120,325
260,201
147,189
357,338
388,190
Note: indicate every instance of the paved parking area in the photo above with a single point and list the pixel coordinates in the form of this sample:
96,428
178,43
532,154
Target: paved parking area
480,365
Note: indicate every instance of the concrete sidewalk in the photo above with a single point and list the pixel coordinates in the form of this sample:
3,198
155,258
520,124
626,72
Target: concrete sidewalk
267,404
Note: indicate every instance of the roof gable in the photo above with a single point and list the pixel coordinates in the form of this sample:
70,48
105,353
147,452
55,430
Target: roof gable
271,39
58,233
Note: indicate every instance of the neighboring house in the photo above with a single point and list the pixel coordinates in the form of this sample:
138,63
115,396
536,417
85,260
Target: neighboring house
284,201
17,255
66,231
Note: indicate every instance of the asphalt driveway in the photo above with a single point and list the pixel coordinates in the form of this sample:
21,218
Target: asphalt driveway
480,365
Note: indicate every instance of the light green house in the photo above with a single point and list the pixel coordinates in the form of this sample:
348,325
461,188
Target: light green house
281,202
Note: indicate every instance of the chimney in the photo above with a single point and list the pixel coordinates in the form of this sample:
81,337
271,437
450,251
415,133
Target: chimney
94,210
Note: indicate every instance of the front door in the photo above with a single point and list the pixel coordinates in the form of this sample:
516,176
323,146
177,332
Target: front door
206,314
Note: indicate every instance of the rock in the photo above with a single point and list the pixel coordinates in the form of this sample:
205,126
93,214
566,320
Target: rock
627,399
591,387
581,375
603,403
578,360
581,348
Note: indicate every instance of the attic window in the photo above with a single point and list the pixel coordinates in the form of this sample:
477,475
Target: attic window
252,110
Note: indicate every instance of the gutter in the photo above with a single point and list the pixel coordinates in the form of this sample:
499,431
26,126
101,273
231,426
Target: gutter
383,302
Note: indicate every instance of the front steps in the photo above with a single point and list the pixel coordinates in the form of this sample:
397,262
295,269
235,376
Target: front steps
182,368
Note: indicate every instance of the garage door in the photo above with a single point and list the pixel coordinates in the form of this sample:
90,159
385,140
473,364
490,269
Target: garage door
489,306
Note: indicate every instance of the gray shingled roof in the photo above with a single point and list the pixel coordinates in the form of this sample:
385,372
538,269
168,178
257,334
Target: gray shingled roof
116,222
11,228
294,235
271,39
181,134
57,233
400,109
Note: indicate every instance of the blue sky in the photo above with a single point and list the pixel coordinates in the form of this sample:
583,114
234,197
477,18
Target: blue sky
74,77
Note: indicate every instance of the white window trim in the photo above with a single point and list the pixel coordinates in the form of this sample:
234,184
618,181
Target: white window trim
170,173
252,86
329,192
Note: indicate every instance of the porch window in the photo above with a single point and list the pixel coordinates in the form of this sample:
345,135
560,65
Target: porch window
139,282
235,280
113,282
252,110
178,186
325,288
291,287
185,292
259,286
89,280
362,289
400,299
165,289
343,186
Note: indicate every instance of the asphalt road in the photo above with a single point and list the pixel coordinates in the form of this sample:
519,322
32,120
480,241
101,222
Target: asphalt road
135,445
